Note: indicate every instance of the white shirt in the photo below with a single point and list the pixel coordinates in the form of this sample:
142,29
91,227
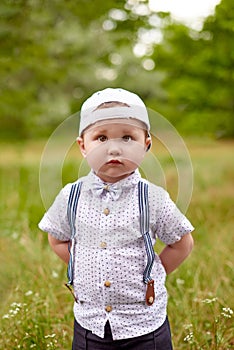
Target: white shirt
110,255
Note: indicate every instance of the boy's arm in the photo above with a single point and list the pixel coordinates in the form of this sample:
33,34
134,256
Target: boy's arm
60,248
174,254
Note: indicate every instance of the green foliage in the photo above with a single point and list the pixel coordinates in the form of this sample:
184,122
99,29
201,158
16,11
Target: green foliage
199,73
56,53
51,56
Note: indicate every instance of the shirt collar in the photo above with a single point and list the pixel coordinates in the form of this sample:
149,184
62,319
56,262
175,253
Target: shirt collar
92,178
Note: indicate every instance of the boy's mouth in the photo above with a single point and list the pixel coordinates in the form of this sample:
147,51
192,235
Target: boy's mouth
114,161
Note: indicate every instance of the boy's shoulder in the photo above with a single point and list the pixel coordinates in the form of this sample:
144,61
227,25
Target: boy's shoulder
153,187
157,193
67,188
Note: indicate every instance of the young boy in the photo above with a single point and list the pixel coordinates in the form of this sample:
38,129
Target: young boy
119,282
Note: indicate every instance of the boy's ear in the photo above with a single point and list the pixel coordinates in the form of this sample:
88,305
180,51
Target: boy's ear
80,142
148,142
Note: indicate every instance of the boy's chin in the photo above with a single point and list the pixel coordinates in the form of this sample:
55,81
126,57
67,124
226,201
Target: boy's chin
113,176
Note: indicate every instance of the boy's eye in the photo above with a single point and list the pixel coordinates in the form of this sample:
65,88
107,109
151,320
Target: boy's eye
102,138
127,138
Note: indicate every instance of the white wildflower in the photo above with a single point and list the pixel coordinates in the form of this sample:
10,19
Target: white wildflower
179,281
227,312
50,336
28,293
54,274
6,316
209,301
189,338
15,235
188,326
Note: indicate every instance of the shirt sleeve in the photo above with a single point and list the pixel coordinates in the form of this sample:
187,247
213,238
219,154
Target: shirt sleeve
170,224
55,220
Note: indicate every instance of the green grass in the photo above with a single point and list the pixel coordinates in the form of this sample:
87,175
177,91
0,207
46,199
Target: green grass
36,309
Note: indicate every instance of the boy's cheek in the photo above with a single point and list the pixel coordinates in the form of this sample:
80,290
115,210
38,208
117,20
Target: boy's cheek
95,159
135,154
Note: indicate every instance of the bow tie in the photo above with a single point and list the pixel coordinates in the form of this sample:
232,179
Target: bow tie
108,190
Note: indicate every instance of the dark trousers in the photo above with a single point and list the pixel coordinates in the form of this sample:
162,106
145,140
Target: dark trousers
157,340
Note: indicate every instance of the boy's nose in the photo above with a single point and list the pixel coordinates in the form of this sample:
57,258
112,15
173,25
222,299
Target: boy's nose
114,147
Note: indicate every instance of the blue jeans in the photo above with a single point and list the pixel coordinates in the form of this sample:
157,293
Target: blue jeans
157,340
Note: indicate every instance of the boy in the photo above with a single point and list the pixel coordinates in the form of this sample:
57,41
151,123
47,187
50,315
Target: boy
119,283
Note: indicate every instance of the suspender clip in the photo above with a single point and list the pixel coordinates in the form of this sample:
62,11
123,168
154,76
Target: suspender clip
150,295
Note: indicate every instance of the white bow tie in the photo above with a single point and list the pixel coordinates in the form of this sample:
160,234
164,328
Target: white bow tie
113,190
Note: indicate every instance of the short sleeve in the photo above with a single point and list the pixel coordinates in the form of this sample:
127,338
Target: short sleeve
170,224
55,220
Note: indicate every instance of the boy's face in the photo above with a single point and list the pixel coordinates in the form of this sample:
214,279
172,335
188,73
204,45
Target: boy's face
114,148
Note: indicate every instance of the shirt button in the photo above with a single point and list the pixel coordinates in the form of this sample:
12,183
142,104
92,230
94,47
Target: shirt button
108,308
103,245
106,211
107,284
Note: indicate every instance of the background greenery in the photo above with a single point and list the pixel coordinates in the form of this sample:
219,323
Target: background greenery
56,53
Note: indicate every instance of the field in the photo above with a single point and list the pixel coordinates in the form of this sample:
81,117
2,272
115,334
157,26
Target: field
36,309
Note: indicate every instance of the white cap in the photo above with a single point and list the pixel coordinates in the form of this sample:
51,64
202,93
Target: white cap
135,108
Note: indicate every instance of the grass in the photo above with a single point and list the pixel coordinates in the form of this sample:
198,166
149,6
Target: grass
36,310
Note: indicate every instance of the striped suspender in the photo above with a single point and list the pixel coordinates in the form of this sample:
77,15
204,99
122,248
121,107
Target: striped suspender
144,227
71,214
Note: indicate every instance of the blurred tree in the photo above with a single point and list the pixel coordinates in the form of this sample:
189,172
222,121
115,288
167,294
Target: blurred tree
55,53
199,68
43,47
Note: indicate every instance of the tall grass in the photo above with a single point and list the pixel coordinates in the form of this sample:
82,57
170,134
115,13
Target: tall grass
36,310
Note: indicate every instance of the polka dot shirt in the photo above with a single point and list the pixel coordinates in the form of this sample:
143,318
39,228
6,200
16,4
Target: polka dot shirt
110,255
